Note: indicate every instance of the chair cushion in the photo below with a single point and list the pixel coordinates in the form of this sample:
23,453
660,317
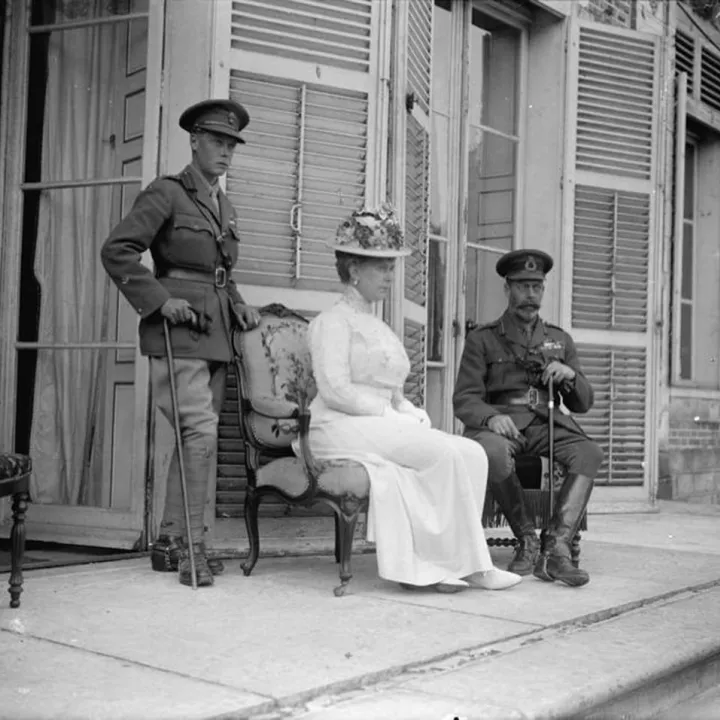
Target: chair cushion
337,477
13,465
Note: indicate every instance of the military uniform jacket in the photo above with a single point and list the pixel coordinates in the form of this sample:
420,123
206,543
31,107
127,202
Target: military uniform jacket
495,361
176,219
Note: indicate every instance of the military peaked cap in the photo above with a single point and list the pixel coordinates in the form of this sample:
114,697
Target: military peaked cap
225,117
524,265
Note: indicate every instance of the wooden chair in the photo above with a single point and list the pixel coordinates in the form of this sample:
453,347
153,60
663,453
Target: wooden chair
275,387
534,479
15,482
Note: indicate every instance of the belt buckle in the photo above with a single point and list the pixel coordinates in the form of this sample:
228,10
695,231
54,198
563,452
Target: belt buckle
220,277
533,397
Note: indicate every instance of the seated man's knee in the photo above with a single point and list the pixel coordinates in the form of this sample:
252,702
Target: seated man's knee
499,453
586,459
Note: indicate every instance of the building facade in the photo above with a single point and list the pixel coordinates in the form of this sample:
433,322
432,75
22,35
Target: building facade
584,128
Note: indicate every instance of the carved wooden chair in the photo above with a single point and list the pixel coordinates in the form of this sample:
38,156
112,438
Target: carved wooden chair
275,387
15,482
534,477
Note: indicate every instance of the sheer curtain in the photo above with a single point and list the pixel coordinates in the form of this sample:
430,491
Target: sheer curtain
78,143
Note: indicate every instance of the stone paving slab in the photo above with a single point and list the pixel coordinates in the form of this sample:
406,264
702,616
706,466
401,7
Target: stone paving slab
266,634
564,674
41,680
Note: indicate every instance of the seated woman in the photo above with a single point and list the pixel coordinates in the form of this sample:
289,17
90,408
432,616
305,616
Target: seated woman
427,487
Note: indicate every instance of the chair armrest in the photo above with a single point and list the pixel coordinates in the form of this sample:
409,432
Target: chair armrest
312,467
274,408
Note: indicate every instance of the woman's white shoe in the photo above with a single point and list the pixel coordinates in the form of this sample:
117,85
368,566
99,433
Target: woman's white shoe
494,579
447,586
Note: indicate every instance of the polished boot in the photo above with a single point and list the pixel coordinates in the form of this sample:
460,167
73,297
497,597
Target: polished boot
165,555
202,570
509,496
555,561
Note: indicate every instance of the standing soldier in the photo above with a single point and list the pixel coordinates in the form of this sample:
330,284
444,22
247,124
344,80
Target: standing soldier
188,224
501,397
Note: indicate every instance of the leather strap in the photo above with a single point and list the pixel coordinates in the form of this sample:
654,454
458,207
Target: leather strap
218,278
533,397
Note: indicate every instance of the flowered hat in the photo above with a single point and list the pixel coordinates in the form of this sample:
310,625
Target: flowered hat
372,232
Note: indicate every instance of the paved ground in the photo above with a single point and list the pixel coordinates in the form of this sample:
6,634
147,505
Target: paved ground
115,640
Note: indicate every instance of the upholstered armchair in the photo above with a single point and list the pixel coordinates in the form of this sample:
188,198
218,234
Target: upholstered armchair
533,474
275,387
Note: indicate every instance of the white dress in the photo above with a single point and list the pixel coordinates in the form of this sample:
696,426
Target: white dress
427,487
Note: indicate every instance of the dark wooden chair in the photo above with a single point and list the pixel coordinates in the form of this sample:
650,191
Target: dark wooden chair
15,482
535,482
275,387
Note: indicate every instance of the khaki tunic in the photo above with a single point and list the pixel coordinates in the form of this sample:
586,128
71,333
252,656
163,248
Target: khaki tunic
177,220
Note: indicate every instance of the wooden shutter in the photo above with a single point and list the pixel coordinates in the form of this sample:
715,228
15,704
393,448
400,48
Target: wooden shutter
611,215
414,48
306,71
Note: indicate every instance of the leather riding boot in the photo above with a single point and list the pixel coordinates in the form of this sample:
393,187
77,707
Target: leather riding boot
555,561
509,496
202,571
165,555
198,456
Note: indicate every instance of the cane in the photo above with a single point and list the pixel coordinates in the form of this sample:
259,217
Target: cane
551,451
178,442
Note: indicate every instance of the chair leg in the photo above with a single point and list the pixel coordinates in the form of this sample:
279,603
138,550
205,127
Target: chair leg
17,546
347,519
337,538
575,550
252,504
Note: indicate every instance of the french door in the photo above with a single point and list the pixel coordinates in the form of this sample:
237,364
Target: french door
74,391
478,71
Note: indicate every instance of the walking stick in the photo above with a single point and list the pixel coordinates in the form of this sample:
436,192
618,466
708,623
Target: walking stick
551,451
178,443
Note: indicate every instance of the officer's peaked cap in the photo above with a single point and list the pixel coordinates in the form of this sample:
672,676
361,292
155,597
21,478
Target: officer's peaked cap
225,117
524,265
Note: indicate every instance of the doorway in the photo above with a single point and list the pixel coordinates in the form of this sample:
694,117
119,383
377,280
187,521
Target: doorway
79,401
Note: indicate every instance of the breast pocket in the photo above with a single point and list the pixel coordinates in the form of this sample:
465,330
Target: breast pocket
191,240
497,367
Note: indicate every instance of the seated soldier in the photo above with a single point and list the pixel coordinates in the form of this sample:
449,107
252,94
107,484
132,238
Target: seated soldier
501,397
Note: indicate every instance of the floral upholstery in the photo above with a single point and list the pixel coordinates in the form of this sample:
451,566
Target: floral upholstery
337,477
13,466
278,377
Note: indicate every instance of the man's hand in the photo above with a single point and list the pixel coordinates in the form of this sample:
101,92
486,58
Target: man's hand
558,372
504,425
178,311
247,317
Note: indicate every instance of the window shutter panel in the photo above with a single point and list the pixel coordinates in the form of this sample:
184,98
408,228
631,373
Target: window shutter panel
417,17
612,213
305,71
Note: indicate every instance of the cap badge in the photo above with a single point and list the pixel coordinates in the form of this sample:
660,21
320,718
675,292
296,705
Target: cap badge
530,263
232,120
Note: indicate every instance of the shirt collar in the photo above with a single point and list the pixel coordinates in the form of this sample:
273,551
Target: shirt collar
211,188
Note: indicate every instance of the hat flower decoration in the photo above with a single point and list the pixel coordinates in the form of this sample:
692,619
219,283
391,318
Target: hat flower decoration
373,232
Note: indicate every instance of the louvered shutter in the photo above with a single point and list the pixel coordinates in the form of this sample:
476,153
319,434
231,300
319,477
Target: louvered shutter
611,218
414,47
305,70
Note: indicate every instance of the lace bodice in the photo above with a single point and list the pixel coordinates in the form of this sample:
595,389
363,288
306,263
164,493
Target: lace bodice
359,363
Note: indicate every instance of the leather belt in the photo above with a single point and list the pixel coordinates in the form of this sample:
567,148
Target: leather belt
534,397
218,278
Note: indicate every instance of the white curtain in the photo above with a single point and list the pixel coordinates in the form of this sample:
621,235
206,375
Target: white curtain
78,143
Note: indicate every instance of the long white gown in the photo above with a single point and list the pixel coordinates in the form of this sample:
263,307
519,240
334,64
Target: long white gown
427,486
